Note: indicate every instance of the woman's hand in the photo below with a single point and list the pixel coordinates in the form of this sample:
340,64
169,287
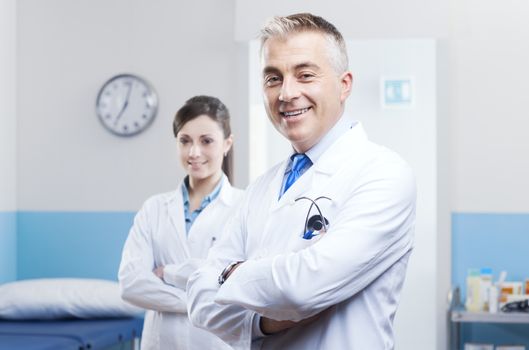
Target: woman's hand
158,272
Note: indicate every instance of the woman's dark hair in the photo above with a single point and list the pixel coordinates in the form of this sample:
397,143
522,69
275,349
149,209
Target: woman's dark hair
217,111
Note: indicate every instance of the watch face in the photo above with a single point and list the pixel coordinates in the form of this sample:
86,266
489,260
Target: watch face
126,105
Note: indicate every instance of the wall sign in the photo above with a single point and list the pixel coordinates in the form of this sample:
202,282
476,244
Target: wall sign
397,92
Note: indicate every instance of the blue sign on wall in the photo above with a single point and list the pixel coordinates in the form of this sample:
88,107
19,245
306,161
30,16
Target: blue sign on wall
397,92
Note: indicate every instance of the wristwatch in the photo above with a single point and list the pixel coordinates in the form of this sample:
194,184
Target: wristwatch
226,272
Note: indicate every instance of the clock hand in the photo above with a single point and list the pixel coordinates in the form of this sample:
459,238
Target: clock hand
124,105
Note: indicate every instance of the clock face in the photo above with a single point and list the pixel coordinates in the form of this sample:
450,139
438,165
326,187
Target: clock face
126,105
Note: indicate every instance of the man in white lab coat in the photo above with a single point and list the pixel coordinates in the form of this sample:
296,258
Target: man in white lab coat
316,256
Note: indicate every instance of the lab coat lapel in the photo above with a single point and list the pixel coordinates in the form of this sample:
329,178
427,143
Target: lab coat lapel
339,154
299,187
275,187
345,152
226,192
175,207
208,214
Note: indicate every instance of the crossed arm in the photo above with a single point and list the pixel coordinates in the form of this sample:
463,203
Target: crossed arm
268,326
372,231
138,277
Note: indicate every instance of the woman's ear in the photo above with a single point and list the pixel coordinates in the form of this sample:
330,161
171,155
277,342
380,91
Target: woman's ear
228,142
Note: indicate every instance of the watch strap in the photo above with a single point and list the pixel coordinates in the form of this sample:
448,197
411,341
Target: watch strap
227,270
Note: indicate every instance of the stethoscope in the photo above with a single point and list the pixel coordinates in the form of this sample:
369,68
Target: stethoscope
314,224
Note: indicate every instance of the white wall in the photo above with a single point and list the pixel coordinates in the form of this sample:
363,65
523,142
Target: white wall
67,50
412,133
7,105
444,237
487,86
7,140
354,18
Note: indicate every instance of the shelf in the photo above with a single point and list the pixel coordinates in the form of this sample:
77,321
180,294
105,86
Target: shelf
500,317
458,315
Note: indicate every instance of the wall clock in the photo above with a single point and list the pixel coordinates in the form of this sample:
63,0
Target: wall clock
126,104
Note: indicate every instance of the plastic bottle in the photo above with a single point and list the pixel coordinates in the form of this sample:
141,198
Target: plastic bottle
473,301
485,286
493,299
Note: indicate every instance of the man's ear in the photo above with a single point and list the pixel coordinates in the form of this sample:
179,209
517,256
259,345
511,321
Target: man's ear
346,81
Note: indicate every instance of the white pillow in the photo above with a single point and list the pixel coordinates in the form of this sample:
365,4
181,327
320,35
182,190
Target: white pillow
54,298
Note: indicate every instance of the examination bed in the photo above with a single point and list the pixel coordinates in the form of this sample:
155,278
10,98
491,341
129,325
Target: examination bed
76,334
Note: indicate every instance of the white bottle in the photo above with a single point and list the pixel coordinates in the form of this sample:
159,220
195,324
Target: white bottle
493,299
485,285
473,299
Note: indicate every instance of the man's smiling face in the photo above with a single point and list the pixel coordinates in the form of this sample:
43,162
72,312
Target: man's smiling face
304,94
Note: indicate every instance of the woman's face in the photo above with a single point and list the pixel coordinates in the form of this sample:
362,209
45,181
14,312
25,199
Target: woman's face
202,146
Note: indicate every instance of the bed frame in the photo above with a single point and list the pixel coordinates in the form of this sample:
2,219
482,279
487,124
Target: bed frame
75,334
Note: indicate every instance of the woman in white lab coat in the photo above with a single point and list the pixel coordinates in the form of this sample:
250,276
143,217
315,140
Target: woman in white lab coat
173,231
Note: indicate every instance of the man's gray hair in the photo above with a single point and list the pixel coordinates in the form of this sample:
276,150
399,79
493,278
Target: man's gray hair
282,26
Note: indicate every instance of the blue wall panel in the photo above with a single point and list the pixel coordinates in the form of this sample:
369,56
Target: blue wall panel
498,241
71,244
8,246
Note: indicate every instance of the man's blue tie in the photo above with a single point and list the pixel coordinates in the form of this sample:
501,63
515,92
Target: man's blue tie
299,162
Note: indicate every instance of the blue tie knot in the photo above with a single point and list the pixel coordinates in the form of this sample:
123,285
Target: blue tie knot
299,160
299,163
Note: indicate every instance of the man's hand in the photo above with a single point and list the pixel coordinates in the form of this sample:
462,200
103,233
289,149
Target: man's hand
269,326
